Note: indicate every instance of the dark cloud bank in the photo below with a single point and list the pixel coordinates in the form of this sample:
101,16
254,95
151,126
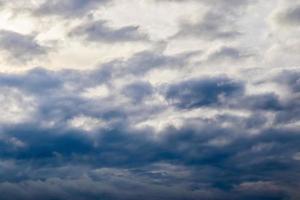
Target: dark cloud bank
201,160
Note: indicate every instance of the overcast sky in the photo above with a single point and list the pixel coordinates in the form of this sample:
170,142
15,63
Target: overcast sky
150,99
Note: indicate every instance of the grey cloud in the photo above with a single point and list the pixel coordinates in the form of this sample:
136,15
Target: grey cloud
68,8
227,144
99,31
217,170
203,92
231,53
212,26
138,91
268,101
291,79
291,112
21,47
187,162
225,92
219,22
144,62
229,3
40,81
290,16
58,92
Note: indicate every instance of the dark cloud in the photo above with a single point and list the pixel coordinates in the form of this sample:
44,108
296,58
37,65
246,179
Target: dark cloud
99,31
218,23
20,47
179,158
138,91
41,81
267,101
291,111
291,79
213,26
203,92
197,137
290,16
218,158
68,8
143,62
225,53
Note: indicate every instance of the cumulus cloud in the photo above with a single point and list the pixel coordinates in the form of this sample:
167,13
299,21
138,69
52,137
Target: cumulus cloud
185,117
218,23
138,154
203,92
20,47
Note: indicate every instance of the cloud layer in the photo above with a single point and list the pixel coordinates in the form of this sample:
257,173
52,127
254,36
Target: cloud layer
203,105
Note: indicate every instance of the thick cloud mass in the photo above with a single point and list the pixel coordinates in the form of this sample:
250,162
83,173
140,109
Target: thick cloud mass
203,92
156,99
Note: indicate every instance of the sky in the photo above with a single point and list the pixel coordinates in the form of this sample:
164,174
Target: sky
150,99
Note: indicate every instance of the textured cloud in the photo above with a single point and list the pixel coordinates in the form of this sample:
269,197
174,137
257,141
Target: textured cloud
203,92
219,22
138,91
98,31
20,47
68,8
212,26
290,16
210,153
158,99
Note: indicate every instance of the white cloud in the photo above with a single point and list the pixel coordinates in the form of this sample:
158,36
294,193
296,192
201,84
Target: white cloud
16,107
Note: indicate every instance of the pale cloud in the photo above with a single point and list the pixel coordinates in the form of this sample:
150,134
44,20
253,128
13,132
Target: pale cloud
16,107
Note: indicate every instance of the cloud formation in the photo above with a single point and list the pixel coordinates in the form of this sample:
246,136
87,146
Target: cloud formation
290,16
68,8
175,105
99,31
203,92
20,47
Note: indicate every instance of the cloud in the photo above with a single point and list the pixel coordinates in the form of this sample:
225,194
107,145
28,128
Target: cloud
137,157
68,8
203,92
150,123
230,53
218,23
213,26
266,101
98,31
289,16
290,79
142,63
21,47
210,159
138,91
